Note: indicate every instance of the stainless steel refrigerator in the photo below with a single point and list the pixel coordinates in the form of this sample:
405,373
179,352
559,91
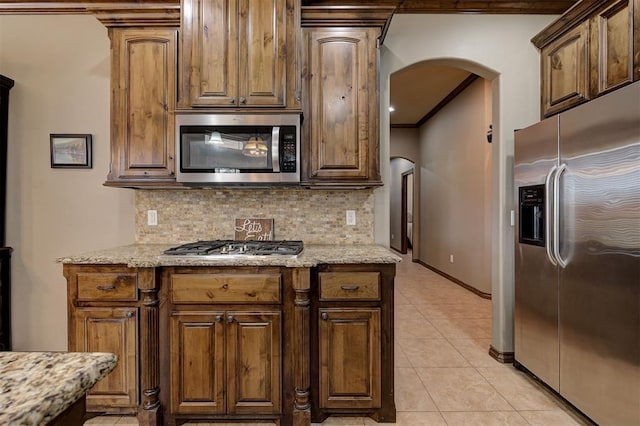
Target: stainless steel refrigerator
577,255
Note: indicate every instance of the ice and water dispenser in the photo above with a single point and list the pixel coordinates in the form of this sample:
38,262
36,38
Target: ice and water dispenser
532,215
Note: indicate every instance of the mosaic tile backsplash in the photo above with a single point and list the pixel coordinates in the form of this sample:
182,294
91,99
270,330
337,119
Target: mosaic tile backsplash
313,216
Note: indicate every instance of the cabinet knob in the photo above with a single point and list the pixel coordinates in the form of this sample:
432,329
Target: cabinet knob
230,319
232,100
129,314
218,318
325,316
243,100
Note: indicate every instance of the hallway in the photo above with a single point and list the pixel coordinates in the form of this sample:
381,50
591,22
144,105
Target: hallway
444,375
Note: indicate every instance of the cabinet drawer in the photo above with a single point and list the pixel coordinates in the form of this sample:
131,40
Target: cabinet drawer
225,288
111,286
349,285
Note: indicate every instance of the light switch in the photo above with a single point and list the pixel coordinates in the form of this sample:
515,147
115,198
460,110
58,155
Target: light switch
152,217
351,217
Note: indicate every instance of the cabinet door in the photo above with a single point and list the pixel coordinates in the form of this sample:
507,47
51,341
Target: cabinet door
209,60
612,47
197,362
565,70
349,358
254,362
342,104
143,97
262,31
109,330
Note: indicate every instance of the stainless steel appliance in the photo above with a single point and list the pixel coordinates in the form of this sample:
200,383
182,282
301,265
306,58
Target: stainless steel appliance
577,260
237,148
234,248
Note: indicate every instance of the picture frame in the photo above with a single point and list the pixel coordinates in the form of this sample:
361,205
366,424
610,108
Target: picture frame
71,151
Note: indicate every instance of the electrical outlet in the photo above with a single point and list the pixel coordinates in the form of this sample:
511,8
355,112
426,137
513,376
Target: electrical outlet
152,217
450,258
351,217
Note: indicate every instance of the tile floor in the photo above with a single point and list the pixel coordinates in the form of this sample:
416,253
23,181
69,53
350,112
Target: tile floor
444,374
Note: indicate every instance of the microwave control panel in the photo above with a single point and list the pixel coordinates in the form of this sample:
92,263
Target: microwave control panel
288,149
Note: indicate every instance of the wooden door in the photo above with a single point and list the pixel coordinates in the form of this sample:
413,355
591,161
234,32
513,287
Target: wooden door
612,47
209,58
254,362
350,354
342,103
197,362
143,97
263,52
565,71
111,330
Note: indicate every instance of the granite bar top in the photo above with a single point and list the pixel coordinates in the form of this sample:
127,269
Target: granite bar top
151,255
35,387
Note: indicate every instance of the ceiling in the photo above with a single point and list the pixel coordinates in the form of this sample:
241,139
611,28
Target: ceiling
417,90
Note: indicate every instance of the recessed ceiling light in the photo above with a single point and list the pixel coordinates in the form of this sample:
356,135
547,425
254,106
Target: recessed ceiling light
391,109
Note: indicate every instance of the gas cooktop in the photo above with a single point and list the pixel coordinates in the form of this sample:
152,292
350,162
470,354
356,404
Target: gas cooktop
225,248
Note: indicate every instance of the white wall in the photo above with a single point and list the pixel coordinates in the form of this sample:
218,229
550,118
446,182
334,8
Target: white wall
498,48
60,65
455,164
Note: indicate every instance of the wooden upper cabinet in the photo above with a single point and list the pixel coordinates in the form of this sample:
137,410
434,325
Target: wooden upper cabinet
143,84
612,47
590,50
341,105
239,53
565,70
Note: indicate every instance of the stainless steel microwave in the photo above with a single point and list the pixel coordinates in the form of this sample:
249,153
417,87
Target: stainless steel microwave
237,148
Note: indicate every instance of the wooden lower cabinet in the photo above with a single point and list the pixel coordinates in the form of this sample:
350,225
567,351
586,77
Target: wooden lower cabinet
349,346
352,341
111,330
225,362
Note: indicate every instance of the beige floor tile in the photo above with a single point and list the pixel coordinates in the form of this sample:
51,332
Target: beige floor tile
518,389
400,299
400,358
416,328
411,394
475,351
408,312
461,389
343,421
127,421
414,418
454,310
486,418
551,418
103,420
431,353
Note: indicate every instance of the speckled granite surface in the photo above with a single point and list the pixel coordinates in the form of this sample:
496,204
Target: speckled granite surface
37,386
150,255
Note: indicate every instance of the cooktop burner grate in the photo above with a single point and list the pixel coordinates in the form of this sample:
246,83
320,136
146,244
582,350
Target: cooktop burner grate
235,247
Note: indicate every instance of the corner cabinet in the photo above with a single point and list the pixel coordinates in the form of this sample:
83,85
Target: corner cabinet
352,329
239,53
103,317
143,88
341,106
592,49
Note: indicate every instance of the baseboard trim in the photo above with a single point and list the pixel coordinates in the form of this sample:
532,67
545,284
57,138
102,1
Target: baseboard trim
455,280
503,357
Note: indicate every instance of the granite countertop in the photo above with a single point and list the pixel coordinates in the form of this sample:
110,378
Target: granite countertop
151,255
35,387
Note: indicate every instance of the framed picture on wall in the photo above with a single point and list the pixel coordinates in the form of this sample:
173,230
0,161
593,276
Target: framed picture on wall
71,151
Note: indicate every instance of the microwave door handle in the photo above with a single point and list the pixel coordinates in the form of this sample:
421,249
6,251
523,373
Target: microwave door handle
275,149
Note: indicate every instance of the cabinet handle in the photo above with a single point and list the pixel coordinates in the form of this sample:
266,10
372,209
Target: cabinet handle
350,287
129,315
106,287
230,319
218,318
243,100
232,100
325,316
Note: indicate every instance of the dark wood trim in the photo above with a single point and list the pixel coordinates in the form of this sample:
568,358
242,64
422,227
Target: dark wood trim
451,96
539,7
576,14
404,126
74,415
503,357
455,280
348,15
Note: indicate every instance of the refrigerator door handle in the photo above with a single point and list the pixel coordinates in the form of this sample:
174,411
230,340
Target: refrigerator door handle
556,215
549,217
